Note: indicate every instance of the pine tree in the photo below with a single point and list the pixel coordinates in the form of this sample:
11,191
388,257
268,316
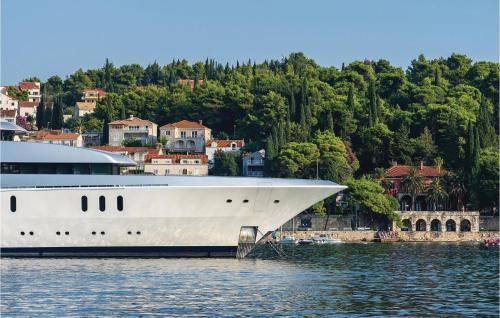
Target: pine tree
329,121
485,127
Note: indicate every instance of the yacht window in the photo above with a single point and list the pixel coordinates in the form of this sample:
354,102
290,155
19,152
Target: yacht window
229,200
102,233
138,232
93,233
102,203
13,203
84,203
276,201
119,203
66,233
58,233
245,201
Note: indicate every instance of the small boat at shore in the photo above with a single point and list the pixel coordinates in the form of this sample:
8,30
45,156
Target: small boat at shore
305,242
324,239
288,240
492,242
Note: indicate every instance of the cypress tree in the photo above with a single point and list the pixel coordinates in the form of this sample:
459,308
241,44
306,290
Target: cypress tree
343,66
329,121
105,131
469,149
303,122
57,114
437,76
293,107
350,97
123,113
270,148
276,140
475,154
287,125
485,127
40,113
372,97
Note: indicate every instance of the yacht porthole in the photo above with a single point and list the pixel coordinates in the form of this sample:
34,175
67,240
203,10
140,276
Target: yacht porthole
22,233
31,233
229,200
13,203
102,203
129,232
276,201
93,233
66,233
102,233
138,233
119,203
245,201
58,233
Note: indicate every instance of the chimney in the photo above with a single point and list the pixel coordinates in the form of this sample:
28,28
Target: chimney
131,117
200,122
421,165
394,163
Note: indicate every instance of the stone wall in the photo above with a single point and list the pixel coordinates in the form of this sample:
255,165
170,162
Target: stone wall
489,223
368,236
455,218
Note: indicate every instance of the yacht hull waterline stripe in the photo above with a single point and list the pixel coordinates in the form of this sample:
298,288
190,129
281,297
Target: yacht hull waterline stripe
121,251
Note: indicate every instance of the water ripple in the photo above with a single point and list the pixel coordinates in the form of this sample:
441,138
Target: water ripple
372,280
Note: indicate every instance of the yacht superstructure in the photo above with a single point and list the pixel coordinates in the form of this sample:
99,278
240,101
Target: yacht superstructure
65,201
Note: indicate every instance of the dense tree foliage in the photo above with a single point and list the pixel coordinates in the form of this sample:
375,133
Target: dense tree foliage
316,120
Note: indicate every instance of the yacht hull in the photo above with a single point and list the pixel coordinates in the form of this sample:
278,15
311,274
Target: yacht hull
189,219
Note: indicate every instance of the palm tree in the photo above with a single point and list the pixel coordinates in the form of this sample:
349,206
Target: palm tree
455,187
436,193
413,183
380,176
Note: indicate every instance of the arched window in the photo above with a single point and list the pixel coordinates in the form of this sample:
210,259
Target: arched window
84,203
13,203
102,203
119,203
420,225
407,225
465,226
184,171
451,226
436,225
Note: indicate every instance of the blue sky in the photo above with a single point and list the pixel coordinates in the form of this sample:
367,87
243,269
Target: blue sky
47,37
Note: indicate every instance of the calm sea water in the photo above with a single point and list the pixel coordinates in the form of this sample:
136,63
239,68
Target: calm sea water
397,280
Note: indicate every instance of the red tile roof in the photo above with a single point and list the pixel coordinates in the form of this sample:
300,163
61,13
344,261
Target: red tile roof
177,157
27,104
29,85
61,137
402,170
99,91
130,150
221,143
131,121
189,82
184,124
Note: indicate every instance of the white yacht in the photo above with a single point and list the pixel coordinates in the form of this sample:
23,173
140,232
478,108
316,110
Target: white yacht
66,201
